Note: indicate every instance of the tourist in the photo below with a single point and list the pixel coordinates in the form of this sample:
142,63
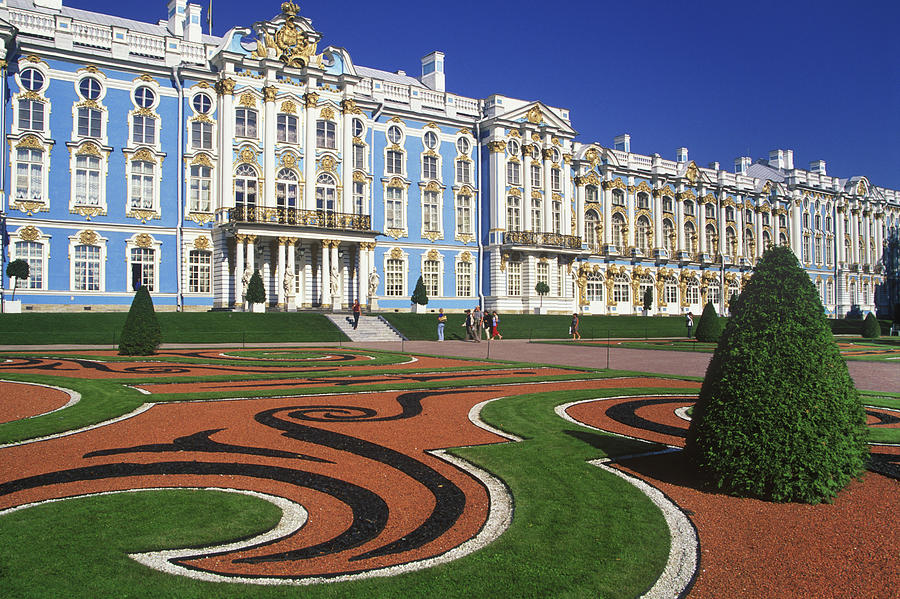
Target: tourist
689,322
477,323
356,311
442,320
487,325
573,328
495,326
470,332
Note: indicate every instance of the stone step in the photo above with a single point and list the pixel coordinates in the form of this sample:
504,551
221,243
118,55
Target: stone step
371,328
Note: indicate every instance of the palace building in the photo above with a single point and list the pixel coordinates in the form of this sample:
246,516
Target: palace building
153,154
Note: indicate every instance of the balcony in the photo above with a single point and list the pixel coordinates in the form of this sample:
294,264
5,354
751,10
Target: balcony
294,217
556,240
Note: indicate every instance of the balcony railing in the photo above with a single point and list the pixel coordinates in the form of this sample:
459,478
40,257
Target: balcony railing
320,219
542,239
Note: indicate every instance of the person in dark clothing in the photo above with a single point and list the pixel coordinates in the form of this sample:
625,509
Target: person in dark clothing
356,311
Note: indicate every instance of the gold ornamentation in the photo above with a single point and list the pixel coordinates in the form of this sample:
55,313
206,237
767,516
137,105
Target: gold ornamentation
349,107
466,238
567,158
535,138
554,141
247,100
311,99
396,119
547,154
288,160
395,233
504,258
433,186
616,183
201,218
293,46
708,199
90,69
360,177
433,236
34,59
247,156
269,93
89,104
202,243
535,115
433,255
31,142
144,155
202,160
396,254
146,112
88,149
767,188
397,182
88,212
515,192
29,233
465,256
327,163
536,194
32,95
143,241
327,114
861,188
692,173
225,86
644,187
288,107
88,237
593,156
496,147
687,194
143,215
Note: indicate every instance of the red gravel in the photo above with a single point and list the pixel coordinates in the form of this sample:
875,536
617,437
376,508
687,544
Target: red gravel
19,401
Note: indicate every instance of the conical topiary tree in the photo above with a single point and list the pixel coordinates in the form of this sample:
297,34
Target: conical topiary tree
778,416
256,291
871,329
419,295
709,327
141,334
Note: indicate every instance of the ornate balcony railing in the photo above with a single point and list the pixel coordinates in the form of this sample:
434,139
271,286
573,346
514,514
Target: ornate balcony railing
320,219
542,239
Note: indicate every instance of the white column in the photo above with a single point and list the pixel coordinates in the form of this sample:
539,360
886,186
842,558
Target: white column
867,236
526,195
629,206
679,223
547,205
239,270
309,152
336,266
796,226
839,238
362,274
723,243
854,235
325,268
280,271
225,89
269,137
701,224
292,267
740,224
347,158
656,204
251,252
579,209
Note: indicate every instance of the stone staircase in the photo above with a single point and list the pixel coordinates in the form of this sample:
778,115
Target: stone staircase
371,328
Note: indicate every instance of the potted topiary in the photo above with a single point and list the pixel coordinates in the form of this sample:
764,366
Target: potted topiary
419,298
778,416
542,289
256,293
141,334
871,329
709,328
16,270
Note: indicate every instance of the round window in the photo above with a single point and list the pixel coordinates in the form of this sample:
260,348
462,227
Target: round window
144,97
358,127
513,147
32,79
463,145
431,140
556,155
394,134
202,103
89,88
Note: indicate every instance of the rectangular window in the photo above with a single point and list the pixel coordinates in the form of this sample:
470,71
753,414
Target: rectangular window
31,115
142,176
430,277
87,180
359,197
199,271
393,278
620,290
245,122
359,158
88,122
513,173
513,214
464,279
537,216
514,278
393,164
463,172
393,210
556,179
87,268
429,167
594,290
671,291
542,272
325,135
201,135
29,174
536,176
201,185
144,129
463,214
557,218
32,253
145,260
431,212
286,128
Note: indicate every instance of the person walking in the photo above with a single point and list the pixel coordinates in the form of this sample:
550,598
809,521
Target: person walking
442,320
356,311
477,323
689,323
573,328
495,326
468,324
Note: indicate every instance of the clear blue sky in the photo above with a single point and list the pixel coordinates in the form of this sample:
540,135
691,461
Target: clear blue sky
721,78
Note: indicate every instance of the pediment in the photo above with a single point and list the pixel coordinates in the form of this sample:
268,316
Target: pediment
538,113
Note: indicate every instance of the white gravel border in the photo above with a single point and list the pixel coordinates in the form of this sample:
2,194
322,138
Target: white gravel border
74,397
139,410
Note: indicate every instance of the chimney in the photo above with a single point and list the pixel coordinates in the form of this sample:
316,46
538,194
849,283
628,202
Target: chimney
776,158
714,165
177,9
742,165
788,160
433,71
681,155
817,166
194,28
622,142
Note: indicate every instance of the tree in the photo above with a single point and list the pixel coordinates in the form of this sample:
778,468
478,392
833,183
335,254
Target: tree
778,416
871,329
256,291
709,327
542,289
141,334
648,298
18,270
732,302
420,296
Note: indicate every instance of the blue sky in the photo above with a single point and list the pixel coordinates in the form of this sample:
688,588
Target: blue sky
723,79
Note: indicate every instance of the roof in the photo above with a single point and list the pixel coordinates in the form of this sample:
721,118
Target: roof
387,76
760,170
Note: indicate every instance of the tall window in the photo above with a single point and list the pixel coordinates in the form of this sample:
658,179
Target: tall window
201,188
463,214
393,210
199,271
286,128
591,225
513,213
689,208
644,283
143,129
430,167
594,288
643,234
829,292
692,291
87,180
712,239
714,293
730,242
668,204
359,157
286,189
32,253
556,210
359,197
618,197
537,215
621,288
325,135
31,115
464,279
542,273
393,277
463,172
431,211
514,278
201,135
618,231
29,174
643,201
245,122
690,237
87,268
513,173
591,194
393,164
430,277
325,191
89,120
245,187
144,259
536,176
669,236
556,179
670,290
710,211
829,251
142,176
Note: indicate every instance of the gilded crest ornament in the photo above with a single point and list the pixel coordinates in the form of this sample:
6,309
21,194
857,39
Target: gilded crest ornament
535,115
327,114
288,107
465,256
225,86
396,254
288,160
143,240
202,243
269,93
291,45
88,237
29,233
327,163
433,255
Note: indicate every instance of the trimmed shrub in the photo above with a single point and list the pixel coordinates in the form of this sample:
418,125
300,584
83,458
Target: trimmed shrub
648,298
19,270
419,295
256,291
141,334
778,417
542,289
709,327
871,329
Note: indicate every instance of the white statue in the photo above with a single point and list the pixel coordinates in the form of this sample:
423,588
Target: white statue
335,281
245,279
374,280
288,284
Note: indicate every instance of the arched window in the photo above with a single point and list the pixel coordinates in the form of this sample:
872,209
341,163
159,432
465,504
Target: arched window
594,289
748,243
591,194
731,242
854,298
591,225
286,189
690,238
643,234
767,239
692,291
142,184
729,213
688,208
618,231
325,192
618,197
712,239
621,288
245,185
645,283
669,236
670,290
714,293
711,211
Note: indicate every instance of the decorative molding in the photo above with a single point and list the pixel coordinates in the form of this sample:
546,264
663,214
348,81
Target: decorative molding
247,155
327,163
496,147
201,218
88,212
29,233
432,236
433,255
143,215
327,113
534,115
88,237
396,254
143,240
30,142
311,99
270,92
349,107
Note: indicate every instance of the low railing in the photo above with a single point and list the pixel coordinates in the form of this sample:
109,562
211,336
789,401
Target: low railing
542,239
320,219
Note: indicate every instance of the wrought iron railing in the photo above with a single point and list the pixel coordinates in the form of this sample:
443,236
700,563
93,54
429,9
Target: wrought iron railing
321,219
542,239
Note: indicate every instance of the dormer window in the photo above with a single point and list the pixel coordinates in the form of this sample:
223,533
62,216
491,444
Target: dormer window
394,134
32,79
